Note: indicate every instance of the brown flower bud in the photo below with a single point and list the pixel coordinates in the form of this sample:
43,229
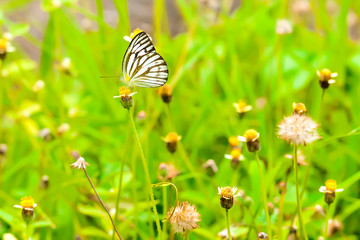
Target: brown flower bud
166,93
262,236
28,214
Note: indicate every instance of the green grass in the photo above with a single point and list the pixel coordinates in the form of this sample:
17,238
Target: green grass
220,58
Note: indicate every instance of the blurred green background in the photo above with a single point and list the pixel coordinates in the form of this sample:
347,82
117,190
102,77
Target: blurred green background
217,52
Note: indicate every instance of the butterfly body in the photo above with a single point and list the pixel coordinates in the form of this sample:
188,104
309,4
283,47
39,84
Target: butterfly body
142,66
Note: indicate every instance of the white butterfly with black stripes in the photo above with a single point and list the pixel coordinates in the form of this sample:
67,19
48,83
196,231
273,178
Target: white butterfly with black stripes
142,66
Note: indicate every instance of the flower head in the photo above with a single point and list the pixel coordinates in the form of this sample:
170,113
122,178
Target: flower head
299,108
283,27
184,218
80,163
125,96
5,45
234,142
241,107
27,205
262,236
167,171
235,157
166,93
171,141
65,66
251,137
330,189
132,35
298,129
227,195
210,167
326,77
38,85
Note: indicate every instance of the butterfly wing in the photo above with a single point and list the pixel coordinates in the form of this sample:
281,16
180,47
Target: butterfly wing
142,66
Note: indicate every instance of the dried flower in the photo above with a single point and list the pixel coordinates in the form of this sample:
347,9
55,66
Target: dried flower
3,149
235,157
45,134
283,27
262,236
9,236
330,189
167,171
227,195
141,115
326,77
210,167
184,218
334,227
224,234
125,96
5,45
27,205
65,66
298,129
166,93
271,207
171,141
242,108
44,183
80,163
251,137
132,35
299,108
38,85
63,128
318,212
234,142
300,158
301,6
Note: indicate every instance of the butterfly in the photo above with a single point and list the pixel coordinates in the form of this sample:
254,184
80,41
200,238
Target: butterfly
142,66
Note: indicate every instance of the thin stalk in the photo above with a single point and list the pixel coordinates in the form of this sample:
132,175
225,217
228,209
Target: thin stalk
281,207
263,190
302,229
120,182
165,206
97,195
327,222
27,232
228,224
186,237
147,175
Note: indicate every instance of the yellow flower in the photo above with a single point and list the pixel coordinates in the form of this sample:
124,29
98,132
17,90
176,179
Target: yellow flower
326,77
241,107
166,93
251,135
330,189
299,108
235,154
171,141
227,195
135,32
5,45
234,142
27,205
125,96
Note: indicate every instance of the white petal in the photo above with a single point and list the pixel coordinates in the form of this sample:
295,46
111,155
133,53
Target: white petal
322,189
127,38
18,206
227,156
334,74
339,190
331,81
241,139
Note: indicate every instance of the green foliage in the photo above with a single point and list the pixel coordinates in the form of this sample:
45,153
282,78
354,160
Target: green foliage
221,56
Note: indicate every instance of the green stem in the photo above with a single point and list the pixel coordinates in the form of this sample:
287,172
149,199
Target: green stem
102,204
228,224
302,229
165,206
327,222
27,232
120,183
263,190
147,175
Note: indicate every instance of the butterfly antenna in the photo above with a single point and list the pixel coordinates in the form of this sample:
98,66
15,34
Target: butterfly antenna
109,76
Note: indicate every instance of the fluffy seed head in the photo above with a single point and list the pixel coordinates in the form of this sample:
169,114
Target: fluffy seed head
298,129
184,218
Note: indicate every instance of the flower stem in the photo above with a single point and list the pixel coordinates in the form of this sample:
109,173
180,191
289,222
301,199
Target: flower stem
120,183
27,236
302,229
102,203
327,222
263,190
147,175
228,224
